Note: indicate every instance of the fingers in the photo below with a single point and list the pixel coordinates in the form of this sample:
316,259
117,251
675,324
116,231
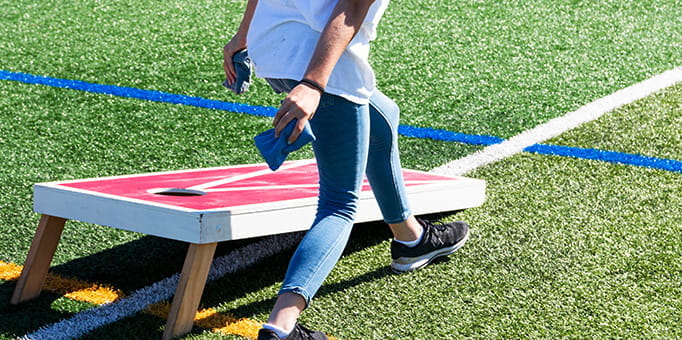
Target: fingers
230,75
285,115
300,125
282,119
301,103
280,113
228,66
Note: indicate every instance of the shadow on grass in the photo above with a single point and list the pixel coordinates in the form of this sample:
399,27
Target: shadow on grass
20,319
138,263
126,267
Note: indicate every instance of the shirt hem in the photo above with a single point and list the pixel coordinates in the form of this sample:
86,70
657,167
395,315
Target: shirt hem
331,90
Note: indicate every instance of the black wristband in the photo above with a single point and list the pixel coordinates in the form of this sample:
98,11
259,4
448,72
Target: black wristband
313,84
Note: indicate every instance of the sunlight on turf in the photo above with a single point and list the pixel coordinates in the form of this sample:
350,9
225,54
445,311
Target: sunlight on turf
69,287
563,248
9,271
209,318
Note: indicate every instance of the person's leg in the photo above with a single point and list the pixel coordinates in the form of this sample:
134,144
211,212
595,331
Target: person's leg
416,242
384,170
342,137
286,310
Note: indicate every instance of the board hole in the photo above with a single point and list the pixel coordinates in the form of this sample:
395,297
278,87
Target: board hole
177,192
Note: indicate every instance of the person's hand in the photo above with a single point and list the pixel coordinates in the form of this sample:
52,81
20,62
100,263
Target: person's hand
301,103
236,44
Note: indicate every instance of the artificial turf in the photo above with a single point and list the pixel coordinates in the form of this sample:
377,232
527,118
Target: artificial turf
80,135
562,247
493,68
647,127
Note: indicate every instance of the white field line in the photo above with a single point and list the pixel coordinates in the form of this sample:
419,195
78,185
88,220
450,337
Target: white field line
559,125
86,321
91,319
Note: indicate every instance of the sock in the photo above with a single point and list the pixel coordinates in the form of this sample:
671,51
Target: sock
280,332
411,244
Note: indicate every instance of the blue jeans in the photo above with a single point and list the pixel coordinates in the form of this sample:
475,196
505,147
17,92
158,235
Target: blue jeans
352,140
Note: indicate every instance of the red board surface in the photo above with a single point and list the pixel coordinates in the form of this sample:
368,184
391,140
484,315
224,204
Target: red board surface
228,186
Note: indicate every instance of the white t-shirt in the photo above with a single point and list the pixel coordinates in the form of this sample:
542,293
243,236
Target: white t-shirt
283,35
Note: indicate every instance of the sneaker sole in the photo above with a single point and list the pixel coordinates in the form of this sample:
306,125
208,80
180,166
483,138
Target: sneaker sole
408,264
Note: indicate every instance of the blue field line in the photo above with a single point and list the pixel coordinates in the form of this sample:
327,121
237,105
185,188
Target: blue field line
447,136
607,156
131,92
404,130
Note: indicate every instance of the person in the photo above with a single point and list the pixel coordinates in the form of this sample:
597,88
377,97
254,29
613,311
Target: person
316,51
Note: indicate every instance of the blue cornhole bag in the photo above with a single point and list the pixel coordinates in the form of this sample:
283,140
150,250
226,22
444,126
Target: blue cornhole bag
242,66
275,150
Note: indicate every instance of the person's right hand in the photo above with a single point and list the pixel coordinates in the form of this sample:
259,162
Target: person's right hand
300,104
236,44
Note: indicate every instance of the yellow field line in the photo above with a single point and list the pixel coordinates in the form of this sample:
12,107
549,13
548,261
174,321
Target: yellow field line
211,319
71,288
99,294
9,271
218,322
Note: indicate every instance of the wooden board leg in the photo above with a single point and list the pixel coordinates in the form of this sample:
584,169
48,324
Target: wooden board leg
39,258
190,287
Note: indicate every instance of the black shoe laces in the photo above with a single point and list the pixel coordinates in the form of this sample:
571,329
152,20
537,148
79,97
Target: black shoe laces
428,224
435,234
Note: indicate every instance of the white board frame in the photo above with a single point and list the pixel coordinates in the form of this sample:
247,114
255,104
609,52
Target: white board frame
232,223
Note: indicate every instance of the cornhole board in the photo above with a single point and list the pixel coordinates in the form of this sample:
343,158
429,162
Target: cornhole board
205,206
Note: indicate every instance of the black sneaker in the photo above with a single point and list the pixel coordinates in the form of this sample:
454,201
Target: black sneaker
438,240
298,333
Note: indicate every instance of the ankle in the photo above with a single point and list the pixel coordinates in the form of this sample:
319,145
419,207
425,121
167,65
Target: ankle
412,243
286,311
407,231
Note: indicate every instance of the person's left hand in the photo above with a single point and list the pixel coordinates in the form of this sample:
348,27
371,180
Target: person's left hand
301,103
236,44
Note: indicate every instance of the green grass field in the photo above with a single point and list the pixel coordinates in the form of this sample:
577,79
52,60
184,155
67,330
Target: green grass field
562,248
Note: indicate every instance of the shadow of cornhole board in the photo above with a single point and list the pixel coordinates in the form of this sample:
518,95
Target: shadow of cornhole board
205,206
